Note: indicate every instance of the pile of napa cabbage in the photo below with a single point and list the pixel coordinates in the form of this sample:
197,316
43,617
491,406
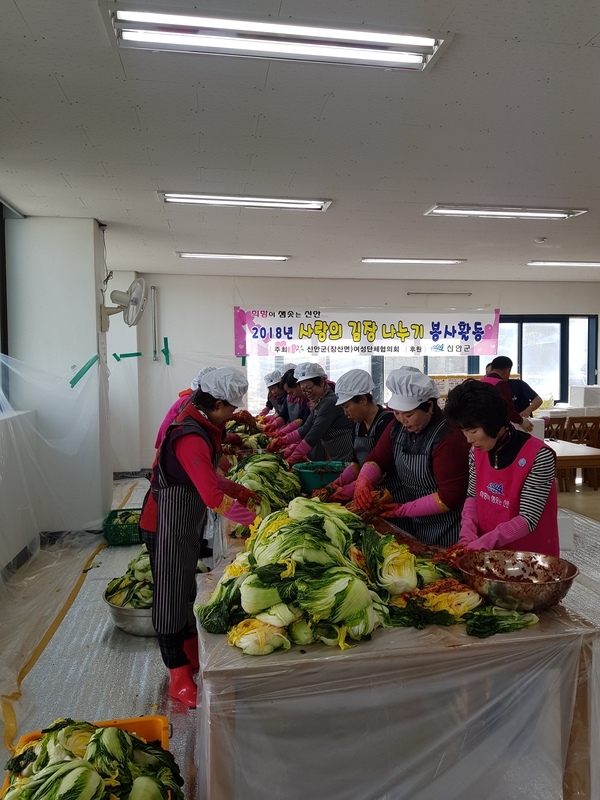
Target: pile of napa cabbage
316,572
269,477
75,759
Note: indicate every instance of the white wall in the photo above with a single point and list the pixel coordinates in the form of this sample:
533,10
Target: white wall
55,270
196,315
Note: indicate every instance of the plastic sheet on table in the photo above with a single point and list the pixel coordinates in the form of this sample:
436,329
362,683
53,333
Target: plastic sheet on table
420,714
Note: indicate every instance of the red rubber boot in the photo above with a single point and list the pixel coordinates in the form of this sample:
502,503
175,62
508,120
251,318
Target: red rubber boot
190,648
182,686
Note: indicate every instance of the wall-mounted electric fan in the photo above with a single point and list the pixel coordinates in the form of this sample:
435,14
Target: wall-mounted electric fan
130,303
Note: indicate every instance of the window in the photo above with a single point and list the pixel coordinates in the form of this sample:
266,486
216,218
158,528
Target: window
551,353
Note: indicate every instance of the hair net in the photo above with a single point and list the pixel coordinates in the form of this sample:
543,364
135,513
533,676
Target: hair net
195,384
271,378
351,383
409,389
310,369
225,383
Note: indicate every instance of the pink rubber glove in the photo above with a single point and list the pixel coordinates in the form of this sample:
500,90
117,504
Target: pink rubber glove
469,527
368,477
240,514
291,426
422,507
291,438
503,534
298,452
343,494
349,475
265,412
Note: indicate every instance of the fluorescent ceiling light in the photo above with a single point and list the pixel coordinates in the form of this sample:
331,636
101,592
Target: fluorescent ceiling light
241,201
563,263
257,39
503,212
233,256
464,294
440,261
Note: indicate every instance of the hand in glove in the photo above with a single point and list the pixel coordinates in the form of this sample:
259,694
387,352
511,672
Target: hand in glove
503,534
369,475
343,494
274,426
240,514
297,452
422,507
275,445
469,527
233,438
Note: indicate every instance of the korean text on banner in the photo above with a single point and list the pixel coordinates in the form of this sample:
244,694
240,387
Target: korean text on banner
311,332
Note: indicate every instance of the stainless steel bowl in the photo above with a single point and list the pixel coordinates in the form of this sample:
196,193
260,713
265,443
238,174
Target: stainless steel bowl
518,580
137,621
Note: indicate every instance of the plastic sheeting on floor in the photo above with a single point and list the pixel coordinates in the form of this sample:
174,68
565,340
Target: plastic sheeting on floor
92,670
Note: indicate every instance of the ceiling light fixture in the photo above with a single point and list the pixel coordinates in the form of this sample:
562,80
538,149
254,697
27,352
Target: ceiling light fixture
503,212
563,263
241,201
465,294
233,256
438,261
268,39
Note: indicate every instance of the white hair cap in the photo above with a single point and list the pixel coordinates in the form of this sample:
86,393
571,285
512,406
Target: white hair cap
287,367
409,389
225,383
352,383
310,369
271,378
195,384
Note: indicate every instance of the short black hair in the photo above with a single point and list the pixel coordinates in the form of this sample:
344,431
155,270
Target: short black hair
474,404
205,401
288,379
356,398
502,362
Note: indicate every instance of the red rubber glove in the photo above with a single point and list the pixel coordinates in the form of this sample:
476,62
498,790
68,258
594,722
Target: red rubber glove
274,426
368,477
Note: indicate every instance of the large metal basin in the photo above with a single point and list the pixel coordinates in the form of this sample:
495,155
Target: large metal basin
518,580
137,621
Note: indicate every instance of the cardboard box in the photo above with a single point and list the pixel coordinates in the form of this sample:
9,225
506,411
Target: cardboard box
584,395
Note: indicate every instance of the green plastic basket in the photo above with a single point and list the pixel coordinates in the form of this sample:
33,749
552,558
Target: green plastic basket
122,526
316,474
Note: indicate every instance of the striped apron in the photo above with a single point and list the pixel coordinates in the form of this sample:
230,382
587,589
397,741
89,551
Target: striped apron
181,517
413,457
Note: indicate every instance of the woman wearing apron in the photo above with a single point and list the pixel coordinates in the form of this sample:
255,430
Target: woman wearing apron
512,500
428,461
184,484
184,396
297,407
326,427
353,390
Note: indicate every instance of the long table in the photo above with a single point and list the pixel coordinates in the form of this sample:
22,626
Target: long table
410,714
574,456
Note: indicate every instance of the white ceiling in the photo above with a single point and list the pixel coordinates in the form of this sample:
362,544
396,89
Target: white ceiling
508,115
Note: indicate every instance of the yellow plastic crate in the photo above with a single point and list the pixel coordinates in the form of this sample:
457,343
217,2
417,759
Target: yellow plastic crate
150,728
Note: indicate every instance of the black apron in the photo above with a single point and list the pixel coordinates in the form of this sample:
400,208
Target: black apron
364,444
413,457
